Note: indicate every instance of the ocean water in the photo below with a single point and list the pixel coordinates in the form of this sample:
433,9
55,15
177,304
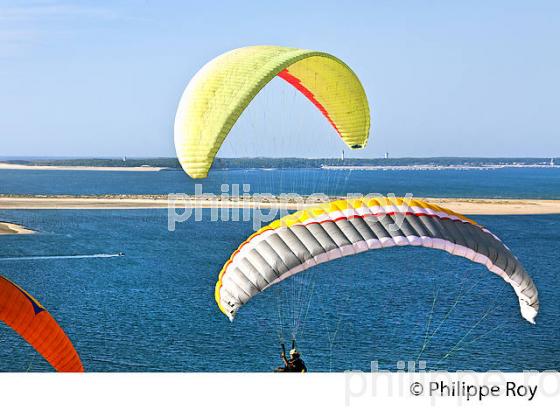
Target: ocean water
153,309
479,183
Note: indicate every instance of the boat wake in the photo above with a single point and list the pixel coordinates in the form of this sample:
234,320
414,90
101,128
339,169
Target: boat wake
31,258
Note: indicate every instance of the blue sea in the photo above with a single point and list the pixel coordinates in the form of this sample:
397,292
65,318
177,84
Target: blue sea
541,183
153,309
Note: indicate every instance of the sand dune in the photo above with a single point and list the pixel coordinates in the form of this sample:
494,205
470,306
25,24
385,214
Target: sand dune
7,228
20,167
469,206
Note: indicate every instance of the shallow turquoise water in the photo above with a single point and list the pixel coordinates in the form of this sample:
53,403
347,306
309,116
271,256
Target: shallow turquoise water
153,309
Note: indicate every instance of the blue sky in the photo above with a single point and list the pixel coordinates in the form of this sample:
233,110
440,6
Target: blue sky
444,78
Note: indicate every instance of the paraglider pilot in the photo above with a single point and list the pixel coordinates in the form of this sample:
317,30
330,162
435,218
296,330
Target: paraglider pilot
294,364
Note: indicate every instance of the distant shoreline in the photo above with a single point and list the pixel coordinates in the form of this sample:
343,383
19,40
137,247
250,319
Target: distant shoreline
287,163
23,167
148,168
468,206
429,167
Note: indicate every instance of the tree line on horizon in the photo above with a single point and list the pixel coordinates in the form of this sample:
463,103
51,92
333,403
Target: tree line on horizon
266,162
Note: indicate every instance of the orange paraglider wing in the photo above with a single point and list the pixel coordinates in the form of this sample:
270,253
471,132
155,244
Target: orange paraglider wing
24,314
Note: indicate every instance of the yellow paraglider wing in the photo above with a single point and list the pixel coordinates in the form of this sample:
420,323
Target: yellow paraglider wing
218,94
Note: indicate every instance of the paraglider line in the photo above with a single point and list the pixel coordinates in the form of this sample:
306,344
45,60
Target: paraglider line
455,348
436,293
459,297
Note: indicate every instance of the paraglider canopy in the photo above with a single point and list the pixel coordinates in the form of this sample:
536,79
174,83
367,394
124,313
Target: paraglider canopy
342,228
219,93
25,315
